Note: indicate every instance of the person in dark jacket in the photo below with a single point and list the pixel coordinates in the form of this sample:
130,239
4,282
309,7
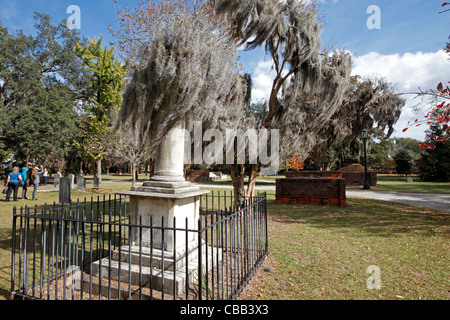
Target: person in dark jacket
24,182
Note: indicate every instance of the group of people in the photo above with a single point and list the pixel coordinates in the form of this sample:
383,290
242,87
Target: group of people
24,178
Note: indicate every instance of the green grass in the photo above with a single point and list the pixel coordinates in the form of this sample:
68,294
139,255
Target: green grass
324,252
395,183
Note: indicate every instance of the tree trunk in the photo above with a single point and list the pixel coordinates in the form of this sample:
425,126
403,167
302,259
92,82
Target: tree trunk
28,158
99,169
133,169
252,181
333,162
237,176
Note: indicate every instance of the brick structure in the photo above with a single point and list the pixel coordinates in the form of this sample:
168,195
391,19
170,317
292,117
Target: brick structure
203,176
198,176
314,174
315,191
354,175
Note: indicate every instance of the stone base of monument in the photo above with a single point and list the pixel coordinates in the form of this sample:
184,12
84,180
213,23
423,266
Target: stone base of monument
162,256
144,267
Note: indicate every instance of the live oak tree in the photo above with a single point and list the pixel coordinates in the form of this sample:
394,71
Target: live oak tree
39,85
184,69
369,103
309,83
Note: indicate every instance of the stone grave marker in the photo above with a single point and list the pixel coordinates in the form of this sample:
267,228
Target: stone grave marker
96,183
64,191
57,179
72,180
81,183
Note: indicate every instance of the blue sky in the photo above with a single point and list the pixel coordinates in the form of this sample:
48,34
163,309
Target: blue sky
407,49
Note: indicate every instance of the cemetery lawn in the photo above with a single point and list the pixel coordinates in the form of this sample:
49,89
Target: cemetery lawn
324,253
397,183
320,253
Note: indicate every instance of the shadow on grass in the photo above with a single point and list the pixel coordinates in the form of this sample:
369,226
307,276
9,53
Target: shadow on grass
367,218
5,294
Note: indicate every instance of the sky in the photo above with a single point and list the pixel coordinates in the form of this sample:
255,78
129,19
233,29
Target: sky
400,40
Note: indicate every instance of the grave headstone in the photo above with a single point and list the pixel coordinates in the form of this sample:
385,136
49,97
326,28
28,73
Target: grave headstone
96,182
410,180
81,183
64,191
72,180
57,179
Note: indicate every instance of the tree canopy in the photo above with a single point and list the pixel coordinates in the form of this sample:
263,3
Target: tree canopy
38,88
187,71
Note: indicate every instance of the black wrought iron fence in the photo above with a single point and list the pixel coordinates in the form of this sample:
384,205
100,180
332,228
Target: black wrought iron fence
92,250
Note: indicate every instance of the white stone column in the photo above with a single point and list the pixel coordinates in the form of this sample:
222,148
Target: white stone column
169,161
167,195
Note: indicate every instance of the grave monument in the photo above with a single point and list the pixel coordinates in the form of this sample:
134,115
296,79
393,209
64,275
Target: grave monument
64,191
167,198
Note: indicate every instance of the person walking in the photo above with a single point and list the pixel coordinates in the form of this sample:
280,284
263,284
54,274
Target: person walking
13,183
36,179
24,182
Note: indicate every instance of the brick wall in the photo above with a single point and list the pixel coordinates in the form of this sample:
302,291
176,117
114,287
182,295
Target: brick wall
314,174
315,191
198,176
352,174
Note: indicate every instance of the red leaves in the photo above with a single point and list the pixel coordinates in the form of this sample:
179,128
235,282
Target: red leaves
439,115
445,4
441,105
424,145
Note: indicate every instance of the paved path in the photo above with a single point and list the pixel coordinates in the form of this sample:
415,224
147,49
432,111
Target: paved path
434,201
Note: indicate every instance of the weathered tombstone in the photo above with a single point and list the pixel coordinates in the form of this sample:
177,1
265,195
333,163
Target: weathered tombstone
64,191
96,182
72,180
57,179
410,180
81,183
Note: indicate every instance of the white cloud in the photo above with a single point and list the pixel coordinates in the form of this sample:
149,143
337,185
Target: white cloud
408,72
263,77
